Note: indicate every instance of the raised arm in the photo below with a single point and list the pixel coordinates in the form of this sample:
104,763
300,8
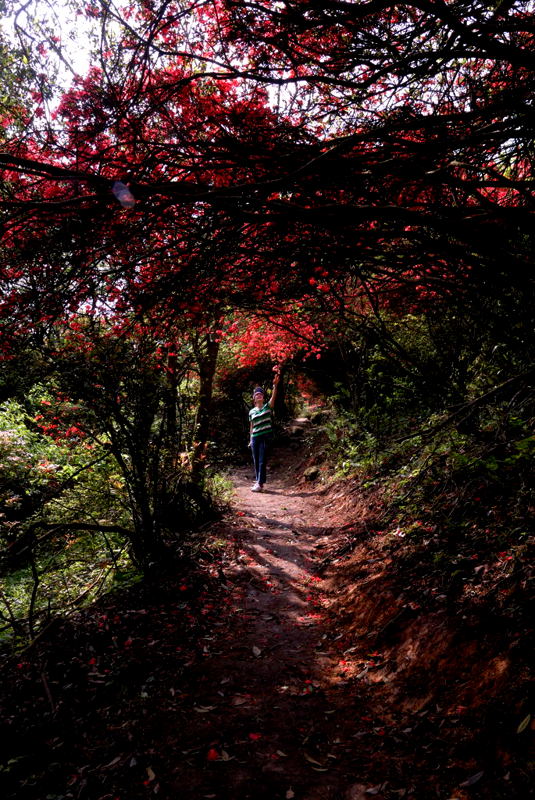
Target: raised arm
276,379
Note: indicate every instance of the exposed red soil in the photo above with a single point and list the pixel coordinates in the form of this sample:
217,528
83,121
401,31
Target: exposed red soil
285,668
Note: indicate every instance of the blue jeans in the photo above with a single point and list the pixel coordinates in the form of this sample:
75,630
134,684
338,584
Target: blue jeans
259,446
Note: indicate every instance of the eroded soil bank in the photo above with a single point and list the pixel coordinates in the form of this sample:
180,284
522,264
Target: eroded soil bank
290,666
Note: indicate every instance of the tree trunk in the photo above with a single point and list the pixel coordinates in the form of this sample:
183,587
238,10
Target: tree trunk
170,402
207,359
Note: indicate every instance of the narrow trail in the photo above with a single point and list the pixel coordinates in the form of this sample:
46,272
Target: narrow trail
251,677
271,720
226,685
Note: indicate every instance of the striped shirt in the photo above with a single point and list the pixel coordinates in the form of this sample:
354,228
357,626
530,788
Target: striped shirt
261,420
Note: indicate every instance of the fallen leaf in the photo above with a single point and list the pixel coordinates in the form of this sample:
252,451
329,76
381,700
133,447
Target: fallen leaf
115,761
257,651
239,701
289,794
203,709
524,724
150,773
473,779
313,760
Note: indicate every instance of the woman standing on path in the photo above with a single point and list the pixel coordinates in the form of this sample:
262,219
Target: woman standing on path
260,430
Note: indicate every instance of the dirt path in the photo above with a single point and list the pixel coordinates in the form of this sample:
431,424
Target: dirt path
250,677
225,685
270,720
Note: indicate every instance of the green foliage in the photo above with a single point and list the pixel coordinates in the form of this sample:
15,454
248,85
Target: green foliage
384,394
437,416
95,465
15,76
48,486
39,467
22,453
67,572
220,487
